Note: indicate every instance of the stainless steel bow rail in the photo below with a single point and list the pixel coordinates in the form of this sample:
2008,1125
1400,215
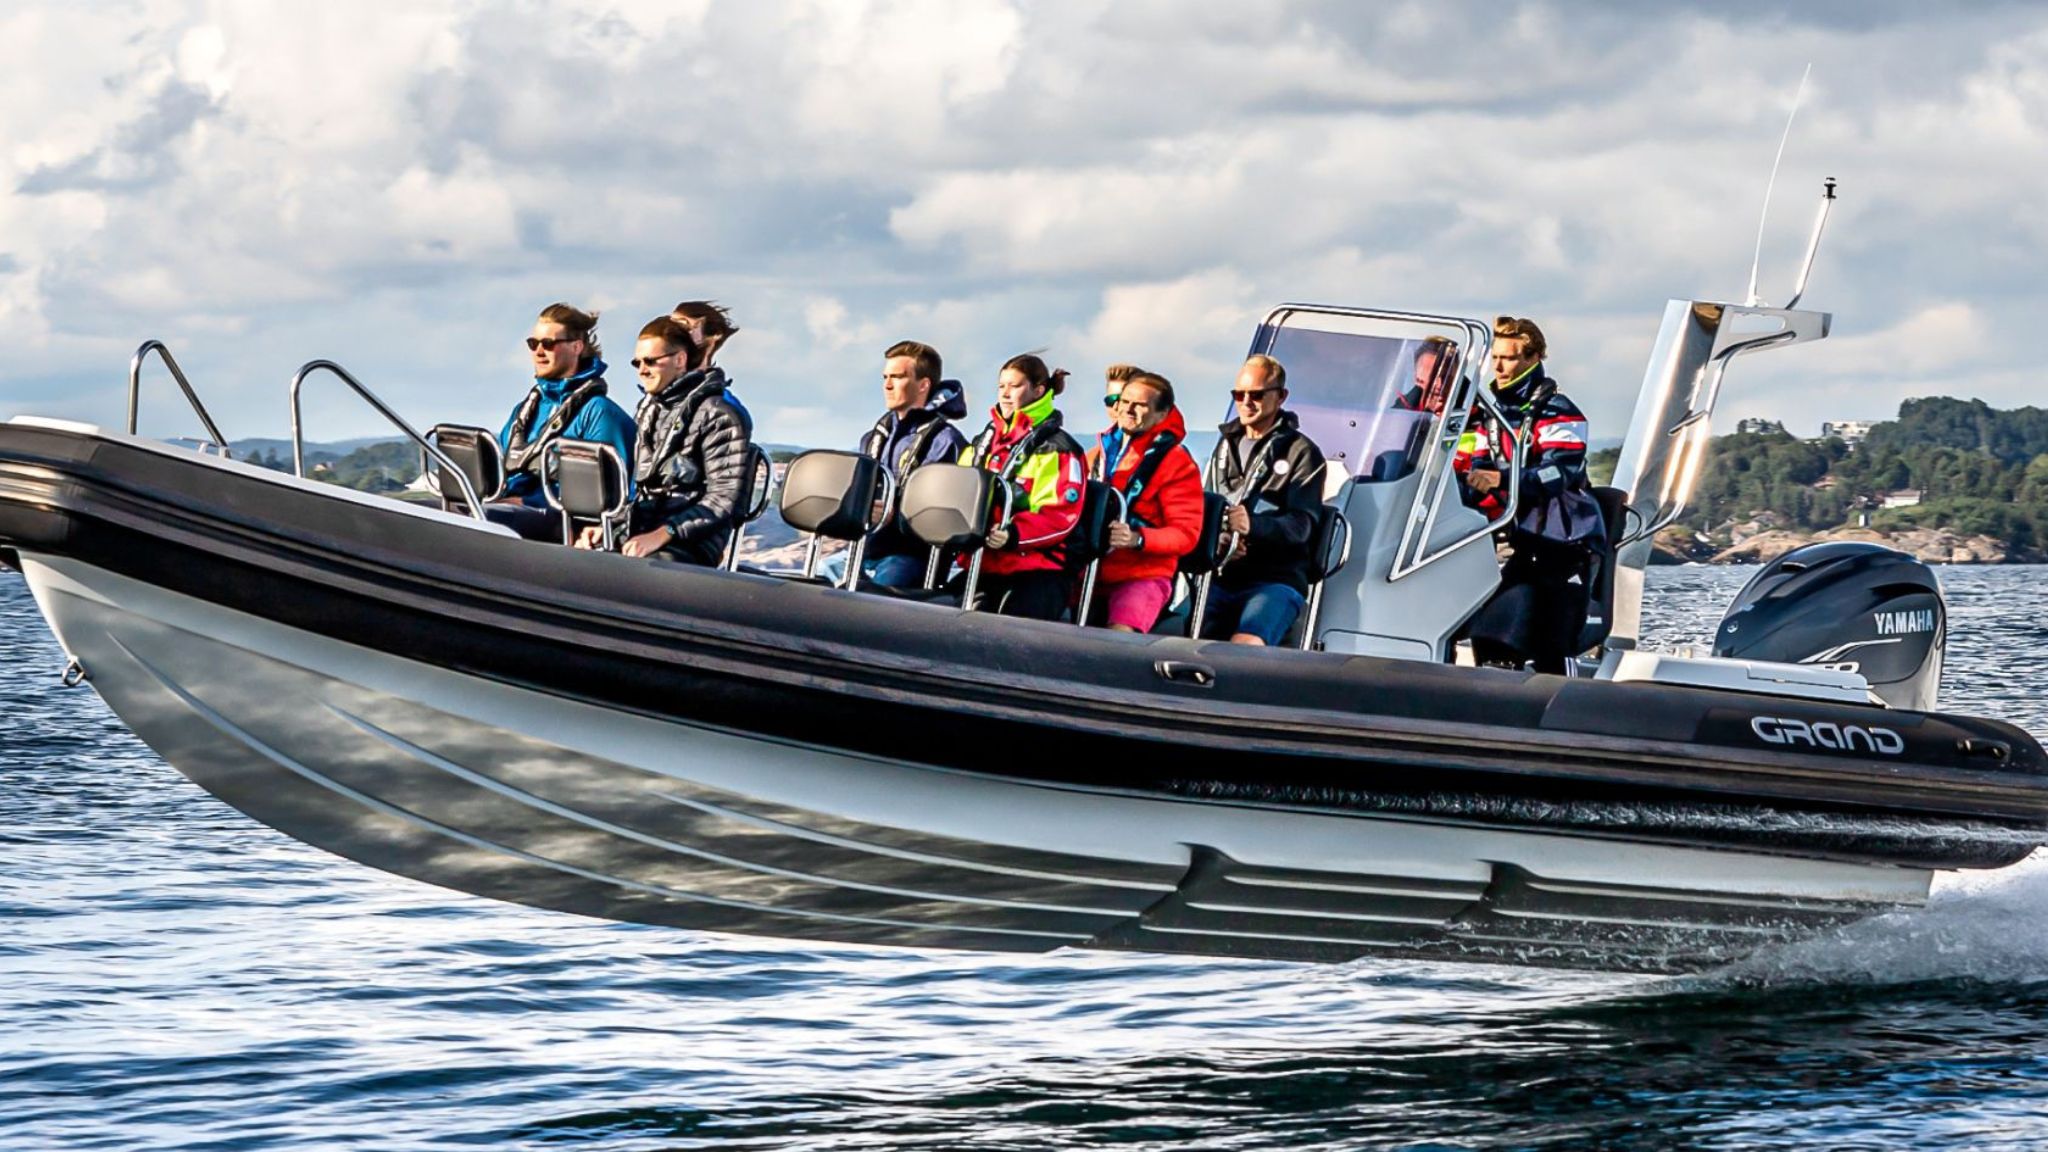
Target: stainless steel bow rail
476,508
178,374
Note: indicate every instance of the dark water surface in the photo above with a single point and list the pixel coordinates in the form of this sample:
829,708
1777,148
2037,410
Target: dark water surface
173,975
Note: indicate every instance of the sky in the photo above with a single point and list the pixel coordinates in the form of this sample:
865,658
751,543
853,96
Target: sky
401,187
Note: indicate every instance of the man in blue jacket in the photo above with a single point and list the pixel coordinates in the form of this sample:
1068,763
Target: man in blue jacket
567,401
916,430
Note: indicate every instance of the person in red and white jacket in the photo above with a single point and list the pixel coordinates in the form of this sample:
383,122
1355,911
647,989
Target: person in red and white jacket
1142,457
1536,614
1024,571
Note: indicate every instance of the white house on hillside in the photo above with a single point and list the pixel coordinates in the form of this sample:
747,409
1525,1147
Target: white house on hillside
1850,432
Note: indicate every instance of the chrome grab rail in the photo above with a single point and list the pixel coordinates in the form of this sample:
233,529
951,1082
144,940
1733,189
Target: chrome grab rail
178,374
476,508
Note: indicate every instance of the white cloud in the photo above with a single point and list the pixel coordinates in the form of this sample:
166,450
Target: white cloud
401,185
1188,329
1943,338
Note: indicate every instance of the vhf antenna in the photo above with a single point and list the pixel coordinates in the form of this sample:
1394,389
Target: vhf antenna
1820,221
1755,300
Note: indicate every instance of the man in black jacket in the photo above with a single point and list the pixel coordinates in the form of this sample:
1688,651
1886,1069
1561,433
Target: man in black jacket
1273,477
917,429
691,453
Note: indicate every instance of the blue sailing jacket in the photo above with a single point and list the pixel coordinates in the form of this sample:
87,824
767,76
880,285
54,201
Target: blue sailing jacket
599,419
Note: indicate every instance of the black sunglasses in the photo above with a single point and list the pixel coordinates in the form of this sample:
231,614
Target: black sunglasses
650,361
549,343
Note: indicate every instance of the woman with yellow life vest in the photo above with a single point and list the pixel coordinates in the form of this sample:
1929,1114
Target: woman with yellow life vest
1024,570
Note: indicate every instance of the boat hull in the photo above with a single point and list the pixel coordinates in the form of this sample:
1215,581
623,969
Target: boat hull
520,796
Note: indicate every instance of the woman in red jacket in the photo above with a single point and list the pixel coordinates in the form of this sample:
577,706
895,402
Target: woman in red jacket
1024,571
1142,457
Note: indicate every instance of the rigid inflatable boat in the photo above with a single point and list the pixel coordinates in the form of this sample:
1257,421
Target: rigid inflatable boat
419,690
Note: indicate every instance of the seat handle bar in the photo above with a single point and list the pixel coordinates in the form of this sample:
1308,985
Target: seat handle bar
1007,514
476,508
1123,512
178,374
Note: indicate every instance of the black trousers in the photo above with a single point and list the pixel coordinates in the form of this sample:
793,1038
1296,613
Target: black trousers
1033,595
704,551
543,524
1537,613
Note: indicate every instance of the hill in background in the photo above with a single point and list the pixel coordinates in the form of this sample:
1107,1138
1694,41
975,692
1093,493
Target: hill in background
1949,479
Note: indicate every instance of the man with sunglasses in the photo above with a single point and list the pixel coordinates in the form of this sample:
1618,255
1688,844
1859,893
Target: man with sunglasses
1141,456
690,458
1273,477
567,401
1113,379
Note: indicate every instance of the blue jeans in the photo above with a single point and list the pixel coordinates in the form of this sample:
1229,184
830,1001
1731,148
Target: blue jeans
900,571
1263,610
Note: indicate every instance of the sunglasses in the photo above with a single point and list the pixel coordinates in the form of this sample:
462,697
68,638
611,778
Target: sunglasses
650,361
1253,395
549,343
1110,400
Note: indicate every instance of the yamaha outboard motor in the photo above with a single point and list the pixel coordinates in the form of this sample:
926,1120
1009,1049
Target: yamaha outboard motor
1850,605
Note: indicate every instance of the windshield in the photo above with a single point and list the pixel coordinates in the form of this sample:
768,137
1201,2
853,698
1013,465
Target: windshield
1368,390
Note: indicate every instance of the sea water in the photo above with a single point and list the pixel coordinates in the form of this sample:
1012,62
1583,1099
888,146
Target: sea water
173,975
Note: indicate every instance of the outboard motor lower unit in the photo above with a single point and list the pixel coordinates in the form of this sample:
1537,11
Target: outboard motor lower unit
1850,605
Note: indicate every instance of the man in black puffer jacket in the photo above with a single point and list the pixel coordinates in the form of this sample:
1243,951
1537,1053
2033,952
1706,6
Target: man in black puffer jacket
691,453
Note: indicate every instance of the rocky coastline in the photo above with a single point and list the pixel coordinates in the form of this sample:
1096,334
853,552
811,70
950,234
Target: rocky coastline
1762,540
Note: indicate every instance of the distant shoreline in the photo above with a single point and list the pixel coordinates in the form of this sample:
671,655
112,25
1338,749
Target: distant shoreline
1760,544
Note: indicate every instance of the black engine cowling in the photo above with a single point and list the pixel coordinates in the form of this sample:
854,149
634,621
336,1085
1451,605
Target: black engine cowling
1845,604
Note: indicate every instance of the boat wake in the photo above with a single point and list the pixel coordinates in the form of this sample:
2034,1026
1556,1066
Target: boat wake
1989,928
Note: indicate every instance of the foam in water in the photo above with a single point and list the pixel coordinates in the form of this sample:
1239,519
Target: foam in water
1990,927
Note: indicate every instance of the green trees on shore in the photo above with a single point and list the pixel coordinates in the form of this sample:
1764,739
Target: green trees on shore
1978,471
386,466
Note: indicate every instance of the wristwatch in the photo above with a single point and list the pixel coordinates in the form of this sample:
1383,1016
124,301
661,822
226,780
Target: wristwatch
1137,539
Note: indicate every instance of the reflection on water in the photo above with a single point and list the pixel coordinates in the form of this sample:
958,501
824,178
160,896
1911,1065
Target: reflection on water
179,976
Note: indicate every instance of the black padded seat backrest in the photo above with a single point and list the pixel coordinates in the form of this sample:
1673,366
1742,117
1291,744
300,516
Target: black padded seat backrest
1202,558
1600,579
948,505
589,479
1089,541
1326,544
831,494
1613,513
473,450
